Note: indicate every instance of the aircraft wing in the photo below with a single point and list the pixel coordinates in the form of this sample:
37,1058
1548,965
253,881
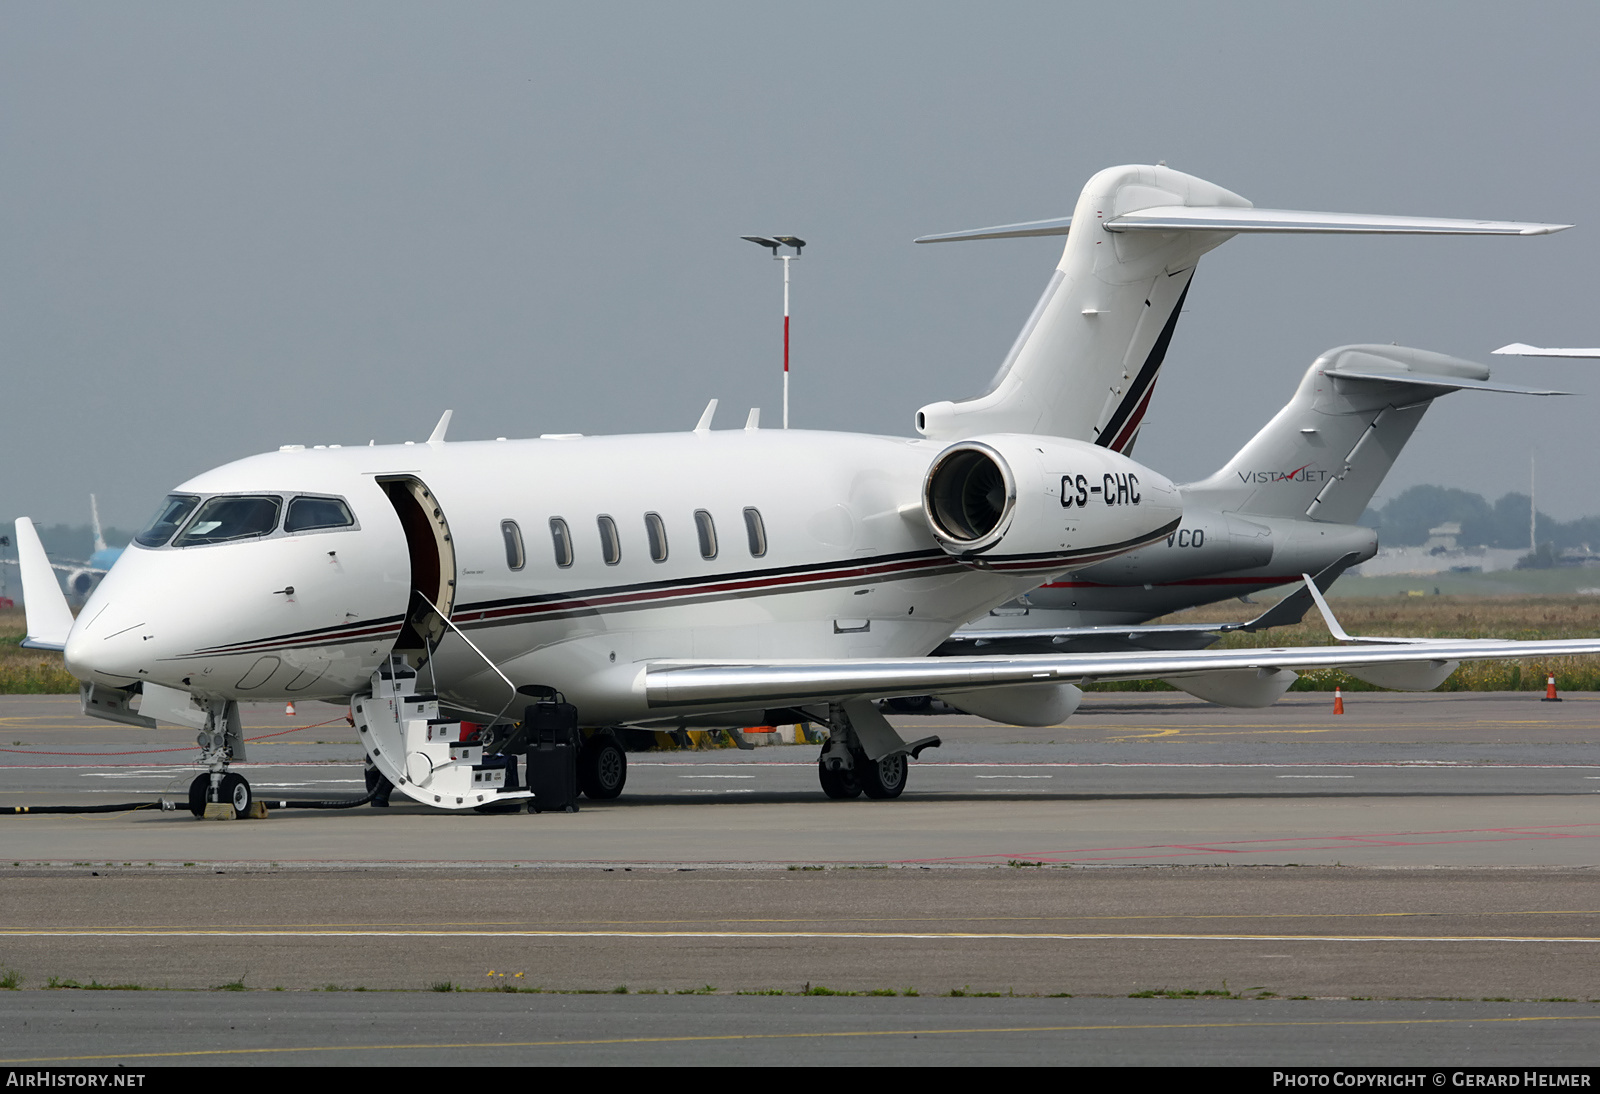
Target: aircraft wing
702,684
1164,636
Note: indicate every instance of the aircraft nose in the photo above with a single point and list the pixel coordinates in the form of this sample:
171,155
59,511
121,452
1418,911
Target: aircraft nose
114,639
102,651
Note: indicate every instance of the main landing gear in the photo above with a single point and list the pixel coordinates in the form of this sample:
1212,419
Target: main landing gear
602,767
846,768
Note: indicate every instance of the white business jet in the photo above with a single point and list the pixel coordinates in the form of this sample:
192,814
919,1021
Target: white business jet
710,577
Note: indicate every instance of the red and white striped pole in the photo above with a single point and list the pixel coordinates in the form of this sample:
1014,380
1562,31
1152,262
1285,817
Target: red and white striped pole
786,259
773,243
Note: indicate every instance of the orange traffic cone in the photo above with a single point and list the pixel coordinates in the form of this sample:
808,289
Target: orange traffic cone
1338,701
288,708
1550,695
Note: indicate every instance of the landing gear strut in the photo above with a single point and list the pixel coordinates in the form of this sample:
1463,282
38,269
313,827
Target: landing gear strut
221,742
844,768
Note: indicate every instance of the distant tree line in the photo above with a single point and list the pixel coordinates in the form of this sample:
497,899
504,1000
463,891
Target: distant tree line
1404,521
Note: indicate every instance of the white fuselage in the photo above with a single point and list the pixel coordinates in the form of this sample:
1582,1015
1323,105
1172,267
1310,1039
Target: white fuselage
847,566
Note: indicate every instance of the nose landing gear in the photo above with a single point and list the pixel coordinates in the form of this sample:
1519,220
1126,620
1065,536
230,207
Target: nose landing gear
221,742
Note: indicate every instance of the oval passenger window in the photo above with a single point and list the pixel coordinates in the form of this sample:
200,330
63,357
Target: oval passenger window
707,531
516,557
561,537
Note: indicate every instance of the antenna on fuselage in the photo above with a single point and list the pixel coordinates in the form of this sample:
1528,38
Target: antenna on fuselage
437,436
704,425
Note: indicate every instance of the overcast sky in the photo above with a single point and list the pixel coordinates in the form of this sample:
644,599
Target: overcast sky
228,227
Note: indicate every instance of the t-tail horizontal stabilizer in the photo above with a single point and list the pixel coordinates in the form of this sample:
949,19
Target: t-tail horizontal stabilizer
1519,349
1088,357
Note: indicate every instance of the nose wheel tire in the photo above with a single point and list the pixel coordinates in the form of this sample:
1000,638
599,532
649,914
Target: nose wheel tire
602,768
884,779
197,794
234,791
840,784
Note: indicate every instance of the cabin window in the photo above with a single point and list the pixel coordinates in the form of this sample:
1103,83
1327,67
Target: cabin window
756,532
561,538
655,531
706,529
610,543
516,557
171,514
223,520
311,514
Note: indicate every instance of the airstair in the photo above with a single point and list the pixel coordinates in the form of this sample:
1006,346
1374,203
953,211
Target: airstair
421,753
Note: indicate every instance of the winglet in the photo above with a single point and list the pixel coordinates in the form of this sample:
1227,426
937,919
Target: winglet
704,425
49,618
437,436
1327,612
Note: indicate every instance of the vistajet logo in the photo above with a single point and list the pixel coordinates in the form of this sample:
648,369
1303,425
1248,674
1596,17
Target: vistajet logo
1299,474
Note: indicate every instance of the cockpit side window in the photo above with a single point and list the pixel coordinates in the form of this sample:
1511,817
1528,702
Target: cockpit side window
226,519
171,514
312,514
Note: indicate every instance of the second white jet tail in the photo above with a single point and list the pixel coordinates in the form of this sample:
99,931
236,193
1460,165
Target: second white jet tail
1324,455
1086,362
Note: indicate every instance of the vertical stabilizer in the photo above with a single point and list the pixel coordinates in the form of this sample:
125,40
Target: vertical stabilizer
94,517
1325,454
1088,357
49,618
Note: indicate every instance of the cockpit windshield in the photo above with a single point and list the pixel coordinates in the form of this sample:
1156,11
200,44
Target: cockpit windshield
166,520
225,519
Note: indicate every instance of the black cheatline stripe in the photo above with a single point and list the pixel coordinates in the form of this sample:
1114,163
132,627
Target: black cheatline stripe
339,632
685,586
1147,374
1125,545
634,599
688,584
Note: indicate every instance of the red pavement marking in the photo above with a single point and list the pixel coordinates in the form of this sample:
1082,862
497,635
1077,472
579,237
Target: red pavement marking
1292,843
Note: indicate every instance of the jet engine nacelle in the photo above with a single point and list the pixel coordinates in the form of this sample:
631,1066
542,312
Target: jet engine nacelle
1009,500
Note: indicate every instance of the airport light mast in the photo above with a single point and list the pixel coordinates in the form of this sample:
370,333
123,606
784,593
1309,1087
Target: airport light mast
774,243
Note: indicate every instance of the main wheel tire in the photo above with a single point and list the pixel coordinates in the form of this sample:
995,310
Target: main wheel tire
197,794
885,778
602,768
235,791
840,784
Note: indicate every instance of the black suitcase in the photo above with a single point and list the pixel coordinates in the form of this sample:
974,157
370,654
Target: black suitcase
550,729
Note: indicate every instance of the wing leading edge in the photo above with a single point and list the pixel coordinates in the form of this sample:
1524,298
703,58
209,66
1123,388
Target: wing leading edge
705,684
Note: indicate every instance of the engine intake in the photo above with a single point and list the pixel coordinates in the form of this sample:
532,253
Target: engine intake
970,496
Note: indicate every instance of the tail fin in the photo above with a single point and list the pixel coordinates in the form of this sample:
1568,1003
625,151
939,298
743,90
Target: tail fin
1088,357
49,618
1325,454
94,516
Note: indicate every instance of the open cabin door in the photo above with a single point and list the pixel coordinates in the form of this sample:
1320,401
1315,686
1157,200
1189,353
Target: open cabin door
433,564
